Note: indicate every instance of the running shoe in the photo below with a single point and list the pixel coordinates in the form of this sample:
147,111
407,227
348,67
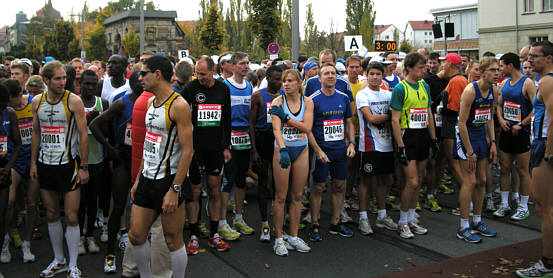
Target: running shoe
468,236
93,247
501,211
28,257
123,242
455,211
490,205
104,235
54,268
417,229
483,230
537,270
16,239
74,272
390,203
405,232
445,189
228,233
265,234
242,227
365,227
36,234
217,243
82,249
307,218
204,232
432,205
387,223
5,256
344,217
314,234
193,244
109,264
340,229
520,214
280,248
298,245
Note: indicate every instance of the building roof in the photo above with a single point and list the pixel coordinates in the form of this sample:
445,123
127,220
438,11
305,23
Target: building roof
454,8
136,14
381,28
421,25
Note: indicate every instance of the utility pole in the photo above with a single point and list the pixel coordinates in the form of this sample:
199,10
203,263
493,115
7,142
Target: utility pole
83,53
141,27
295,29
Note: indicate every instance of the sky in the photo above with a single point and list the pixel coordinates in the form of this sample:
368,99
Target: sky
396,12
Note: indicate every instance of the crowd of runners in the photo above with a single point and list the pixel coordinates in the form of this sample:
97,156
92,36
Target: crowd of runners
185,140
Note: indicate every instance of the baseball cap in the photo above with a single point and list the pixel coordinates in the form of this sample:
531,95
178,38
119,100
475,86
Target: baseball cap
26,61
453,58
309,65
380,59
188,60
340,67
225,58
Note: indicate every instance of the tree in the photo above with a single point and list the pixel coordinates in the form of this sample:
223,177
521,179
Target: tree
97,44
131,42
285,40
212,33
265,21
310,34
405,46
396,35
360,18
58,43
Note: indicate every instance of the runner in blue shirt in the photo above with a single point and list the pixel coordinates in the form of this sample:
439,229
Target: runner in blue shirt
314,84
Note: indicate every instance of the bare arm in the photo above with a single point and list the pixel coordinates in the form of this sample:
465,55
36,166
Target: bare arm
373,118
529,90
277,124
254,112
466,101
180,112
35,137
77,107
16,138
546,92
396,127
102,122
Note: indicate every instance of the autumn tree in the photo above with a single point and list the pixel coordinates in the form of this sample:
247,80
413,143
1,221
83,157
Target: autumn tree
310,34
131,42
265,21
360,17
405,46
59,42
212,33
97,44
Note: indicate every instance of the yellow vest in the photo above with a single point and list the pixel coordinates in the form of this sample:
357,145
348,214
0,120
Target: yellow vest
414,114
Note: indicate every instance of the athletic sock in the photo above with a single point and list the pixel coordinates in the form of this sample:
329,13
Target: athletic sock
222,223
55,230
516,196
476,219
179,260
238,217
213,225
430,196
363,215
524,201
278,239
142,256
411,215
72,236
381,214
505,198
293,239
403,217
464,223
6,241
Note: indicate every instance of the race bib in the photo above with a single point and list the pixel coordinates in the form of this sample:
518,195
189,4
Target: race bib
291,134
511,111
128,133
240,140
481,116
418,118
269,119
333,130
209,114
438,120
26,130
152,147
52,138
3,146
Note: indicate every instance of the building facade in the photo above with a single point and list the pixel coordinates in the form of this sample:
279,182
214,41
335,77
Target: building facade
516,24
466,21
419,33
161,31
16,33
386,33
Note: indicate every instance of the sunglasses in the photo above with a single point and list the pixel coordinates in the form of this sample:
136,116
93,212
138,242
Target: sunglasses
144,72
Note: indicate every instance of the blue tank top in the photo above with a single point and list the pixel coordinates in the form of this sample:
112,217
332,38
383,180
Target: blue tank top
480,111
292,136
516,106
329,119
541,119
123,127
5,135
393,83
263,122
240,100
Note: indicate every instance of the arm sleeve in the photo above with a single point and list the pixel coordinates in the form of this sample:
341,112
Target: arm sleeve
361,100
398,95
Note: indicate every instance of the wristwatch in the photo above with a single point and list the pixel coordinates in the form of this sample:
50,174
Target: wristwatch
83,167
176,187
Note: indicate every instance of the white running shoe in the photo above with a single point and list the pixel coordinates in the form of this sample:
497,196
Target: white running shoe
417,229
104,235
92,245
265,234
387,223
298,245
405,232
537,270
365,227
6,256
280,248
307,218
82,249
74,272
344,217
28,257
54,268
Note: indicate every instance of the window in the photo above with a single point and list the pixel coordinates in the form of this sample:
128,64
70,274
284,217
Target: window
528,6
547,5
425,33
430,41
150,33
538,39
387,37
430,33
425,41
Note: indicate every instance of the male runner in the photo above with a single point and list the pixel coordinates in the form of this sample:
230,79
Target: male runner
59,136
117,66
20,72
263,142
226,66
375,146
514,114
314,83
167,155
392,79
78,65
211,116
331,122
541,58
413,131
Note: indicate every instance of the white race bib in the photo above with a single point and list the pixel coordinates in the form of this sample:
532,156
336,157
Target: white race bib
128,133
481,116
418,118
240,140
209,114
52,138
438,119
26,131
511,111
291,134
3,146
269,119
333,130
152,147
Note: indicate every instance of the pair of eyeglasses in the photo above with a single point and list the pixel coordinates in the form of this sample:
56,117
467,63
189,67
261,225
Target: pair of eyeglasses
144,72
